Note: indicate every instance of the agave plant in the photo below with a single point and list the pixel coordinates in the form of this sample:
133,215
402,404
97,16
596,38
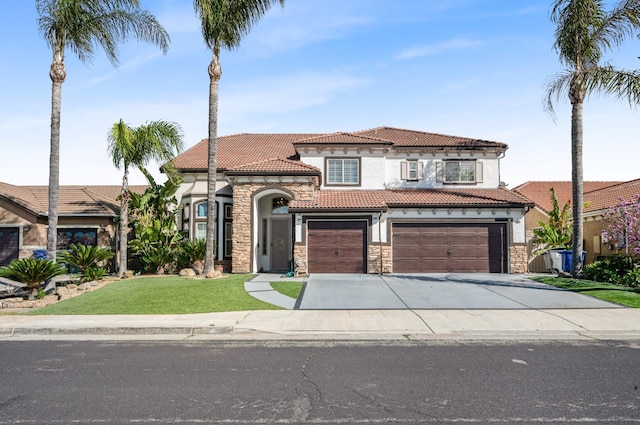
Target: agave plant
32,272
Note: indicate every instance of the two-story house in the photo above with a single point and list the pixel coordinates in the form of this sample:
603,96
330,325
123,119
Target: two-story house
380,200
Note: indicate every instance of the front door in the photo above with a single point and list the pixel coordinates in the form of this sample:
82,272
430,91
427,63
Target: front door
280,244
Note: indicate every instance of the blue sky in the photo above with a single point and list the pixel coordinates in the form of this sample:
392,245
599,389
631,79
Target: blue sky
474,68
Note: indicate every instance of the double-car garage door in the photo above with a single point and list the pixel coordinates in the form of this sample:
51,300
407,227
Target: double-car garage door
341,247
446,248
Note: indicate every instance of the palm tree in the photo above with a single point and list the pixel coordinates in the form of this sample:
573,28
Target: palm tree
157,140
584,31
81,25
223,24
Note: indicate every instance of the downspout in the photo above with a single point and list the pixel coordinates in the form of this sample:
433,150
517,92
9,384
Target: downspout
380,240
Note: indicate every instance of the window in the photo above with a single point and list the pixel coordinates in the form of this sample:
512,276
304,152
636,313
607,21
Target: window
412,170
201,210
459,172
67,237
201,230
343,171
280,205
228,230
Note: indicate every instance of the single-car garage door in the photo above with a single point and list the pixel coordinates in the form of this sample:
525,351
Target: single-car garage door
9,244
443,248
336,246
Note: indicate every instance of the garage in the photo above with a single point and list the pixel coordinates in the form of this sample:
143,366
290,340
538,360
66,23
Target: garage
336,246
449,248
9,244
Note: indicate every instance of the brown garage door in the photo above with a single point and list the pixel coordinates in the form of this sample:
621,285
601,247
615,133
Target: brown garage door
443,248
336,246
9,244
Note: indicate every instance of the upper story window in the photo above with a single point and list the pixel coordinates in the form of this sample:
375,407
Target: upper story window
201,210
460,172
343,171
412,170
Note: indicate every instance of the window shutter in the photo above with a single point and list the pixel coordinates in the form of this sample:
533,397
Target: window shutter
404,174
420,170
439,172
478,172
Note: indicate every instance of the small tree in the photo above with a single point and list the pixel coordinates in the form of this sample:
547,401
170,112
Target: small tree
622,224
556,233
153,215
88,259
32,272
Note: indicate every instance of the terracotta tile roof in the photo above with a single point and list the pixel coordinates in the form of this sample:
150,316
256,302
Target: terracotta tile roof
277,166
538,191
412,138
240,149
343,139
236,150
611,196
382,199
73,200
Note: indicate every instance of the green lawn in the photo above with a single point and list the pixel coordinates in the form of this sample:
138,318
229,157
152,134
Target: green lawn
163,295
604,291
290,289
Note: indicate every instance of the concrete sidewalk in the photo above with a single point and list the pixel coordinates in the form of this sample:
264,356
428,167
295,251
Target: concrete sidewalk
587,324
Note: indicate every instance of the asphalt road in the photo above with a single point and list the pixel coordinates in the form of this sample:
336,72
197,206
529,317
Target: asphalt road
319,383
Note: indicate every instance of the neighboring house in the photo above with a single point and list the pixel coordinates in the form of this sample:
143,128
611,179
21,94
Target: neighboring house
379,200
599,196
86,214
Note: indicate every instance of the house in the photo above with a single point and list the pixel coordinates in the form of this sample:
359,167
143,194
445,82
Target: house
378,200
599,196
86,214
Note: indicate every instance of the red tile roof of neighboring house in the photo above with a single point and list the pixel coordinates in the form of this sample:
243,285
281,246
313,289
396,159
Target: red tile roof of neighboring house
412,138
611,196
234,151
73,200
383,199
240,149
275,166
539,191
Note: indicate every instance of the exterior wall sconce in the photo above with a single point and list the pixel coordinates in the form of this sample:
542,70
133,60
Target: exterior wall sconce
103,229
26,228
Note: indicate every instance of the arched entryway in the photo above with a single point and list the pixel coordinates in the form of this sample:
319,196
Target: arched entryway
273,231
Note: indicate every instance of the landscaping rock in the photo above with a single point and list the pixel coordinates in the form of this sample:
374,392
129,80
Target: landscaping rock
63,291
83,286
198,266
187,272
213,274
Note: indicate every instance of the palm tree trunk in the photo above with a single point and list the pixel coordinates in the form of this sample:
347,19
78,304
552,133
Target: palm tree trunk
57,74
577,184
215,72
124,224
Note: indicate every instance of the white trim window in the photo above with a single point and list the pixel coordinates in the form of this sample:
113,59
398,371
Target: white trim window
343,171
412,170
459,171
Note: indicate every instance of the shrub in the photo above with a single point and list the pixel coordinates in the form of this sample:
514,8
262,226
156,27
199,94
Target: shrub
32,272
621,270
85,256
190,252
92,273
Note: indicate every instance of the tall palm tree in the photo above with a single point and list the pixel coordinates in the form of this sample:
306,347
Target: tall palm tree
81,25
223,24
584,31
160,141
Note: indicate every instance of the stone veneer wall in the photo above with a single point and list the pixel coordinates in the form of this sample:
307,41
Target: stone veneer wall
518,258
243,194
374,258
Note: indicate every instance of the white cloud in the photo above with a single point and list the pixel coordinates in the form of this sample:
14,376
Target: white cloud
436,48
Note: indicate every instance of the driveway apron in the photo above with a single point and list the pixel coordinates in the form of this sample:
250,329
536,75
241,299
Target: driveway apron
437,291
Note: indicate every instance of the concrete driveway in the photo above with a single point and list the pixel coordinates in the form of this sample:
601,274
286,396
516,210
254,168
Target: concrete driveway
437,291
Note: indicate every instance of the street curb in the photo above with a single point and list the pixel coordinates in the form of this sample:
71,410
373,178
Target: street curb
117,331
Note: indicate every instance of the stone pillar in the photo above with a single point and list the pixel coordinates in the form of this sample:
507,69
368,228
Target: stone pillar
518,258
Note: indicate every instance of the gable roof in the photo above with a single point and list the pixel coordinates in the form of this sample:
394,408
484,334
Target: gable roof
72,201
611,196
380,200
274,166
243,149
539,191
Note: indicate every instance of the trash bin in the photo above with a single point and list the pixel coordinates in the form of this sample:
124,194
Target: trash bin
567,259
553,261
40,254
